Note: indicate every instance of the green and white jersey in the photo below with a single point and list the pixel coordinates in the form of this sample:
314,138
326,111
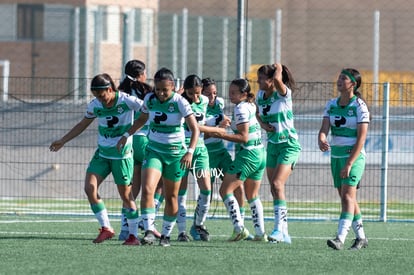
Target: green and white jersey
144,130
277,111
113,122
166,132
200,110
246,112
344,121
214,116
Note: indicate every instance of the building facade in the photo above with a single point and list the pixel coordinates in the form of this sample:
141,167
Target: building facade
74,40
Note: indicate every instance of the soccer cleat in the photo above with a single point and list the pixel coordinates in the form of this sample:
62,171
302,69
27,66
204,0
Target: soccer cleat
194,233
183,237
260,238
359,243
250,238
202,232
335,244
164,241
132,240
149,238
123,235
105,233
279,237
276,236
242,235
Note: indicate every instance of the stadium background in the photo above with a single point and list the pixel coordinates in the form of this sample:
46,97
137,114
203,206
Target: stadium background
49,50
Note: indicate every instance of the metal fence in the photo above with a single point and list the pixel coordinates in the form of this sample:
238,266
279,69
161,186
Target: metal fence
34,180
47,62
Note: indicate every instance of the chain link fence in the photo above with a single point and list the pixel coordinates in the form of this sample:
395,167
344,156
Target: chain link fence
49,52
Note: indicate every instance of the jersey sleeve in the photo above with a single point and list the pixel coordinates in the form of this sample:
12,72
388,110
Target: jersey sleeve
144,107
241,114
220,103
133,102
362,112
327,108
184,107
90,114
288,92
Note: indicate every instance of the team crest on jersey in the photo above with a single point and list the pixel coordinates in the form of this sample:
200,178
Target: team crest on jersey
350,112
171,108
120,110
272,99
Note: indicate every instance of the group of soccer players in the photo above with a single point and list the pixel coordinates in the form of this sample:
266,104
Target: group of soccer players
151,138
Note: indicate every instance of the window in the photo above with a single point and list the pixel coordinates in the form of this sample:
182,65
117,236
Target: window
138,26
30,21
143,29
109,17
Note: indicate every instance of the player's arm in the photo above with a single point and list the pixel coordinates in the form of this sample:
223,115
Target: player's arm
264,125
323,135
278,80
192,124
138,124
74,132
242,135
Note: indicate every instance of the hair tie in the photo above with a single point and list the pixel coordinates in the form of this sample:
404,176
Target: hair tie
131,78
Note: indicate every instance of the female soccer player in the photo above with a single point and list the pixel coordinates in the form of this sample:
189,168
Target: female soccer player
199,168
167,155
347,117
135,84
275,115
248,166
114,111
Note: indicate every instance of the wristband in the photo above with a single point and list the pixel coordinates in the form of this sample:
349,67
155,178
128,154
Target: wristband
190,150
126,134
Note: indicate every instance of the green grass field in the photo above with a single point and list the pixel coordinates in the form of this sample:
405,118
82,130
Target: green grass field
63,245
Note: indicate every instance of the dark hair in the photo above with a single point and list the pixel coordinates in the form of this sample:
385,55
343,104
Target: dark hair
287,77
244,87
163,74
133,69
102,82
207,82
190,82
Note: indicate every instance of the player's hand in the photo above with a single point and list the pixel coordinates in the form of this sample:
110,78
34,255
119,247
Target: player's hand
56,145
226,122
121,144
278,71
186,160
268,127
345,171
323,145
